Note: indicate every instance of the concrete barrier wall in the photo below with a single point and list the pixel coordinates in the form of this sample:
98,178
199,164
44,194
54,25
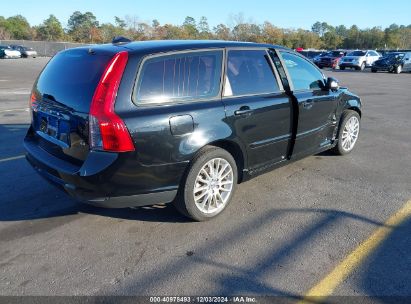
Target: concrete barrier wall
44,48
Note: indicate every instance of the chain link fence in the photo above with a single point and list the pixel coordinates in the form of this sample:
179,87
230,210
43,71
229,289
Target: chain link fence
43,48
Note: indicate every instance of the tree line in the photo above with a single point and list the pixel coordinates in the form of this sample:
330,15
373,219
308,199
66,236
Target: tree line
85,28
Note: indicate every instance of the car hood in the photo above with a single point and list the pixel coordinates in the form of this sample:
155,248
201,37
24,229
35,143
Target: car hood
388,61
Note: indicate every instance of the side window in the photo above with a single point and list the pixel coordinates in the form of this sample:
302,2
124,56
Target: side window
249,72
304,75
180,77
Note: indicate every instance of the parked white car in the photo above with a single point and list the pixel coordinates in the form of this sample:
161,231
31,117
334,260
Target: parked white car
359,60
26,52
8,52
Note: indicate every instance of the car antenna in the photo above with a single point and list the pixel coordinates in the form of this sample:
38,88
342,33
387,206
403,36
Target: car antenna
120,40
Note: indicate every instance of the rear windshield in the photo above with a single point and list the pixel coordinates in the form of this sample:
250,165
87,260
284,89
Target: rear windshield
357,53
71,77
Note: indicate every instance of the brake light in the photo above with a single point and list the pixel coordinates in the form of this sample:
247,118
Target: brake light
32,100
107,130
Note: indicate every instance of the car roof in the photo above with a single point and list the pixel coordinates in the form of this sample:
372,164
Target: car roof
155,46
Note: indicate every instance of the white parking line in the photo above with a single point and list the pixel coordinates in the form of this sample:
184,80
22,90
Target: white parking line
14,110
11,158
15,92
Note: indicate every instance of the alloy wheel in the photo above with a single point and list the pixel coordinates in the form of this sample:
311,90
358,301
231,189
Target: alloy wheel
213,185
350,133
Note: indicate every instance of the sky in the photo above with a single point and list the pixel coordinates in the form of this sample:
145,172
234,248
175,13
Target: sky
286,14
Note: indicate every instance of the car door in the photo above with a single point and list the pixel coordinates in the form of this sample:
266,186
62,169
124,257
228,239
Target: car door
407,62
316,107
373,57
257,108
368,59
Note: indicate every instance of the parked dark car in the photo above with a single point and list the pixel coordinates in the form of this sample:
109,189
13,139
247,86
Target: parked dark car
311,54
26,52
318,57
395,62
143,123
330,59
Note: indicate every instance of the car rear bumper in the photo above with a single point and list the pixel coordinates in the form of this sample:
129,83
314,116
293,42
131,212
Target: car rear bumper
350,65
102,180
326,64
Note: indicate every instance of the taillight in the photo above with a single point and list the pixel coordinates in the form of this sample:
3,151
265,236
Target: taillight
32,100
107,130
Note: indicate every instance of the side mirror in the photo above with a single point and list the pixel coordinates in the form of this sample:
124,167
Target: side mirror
332,84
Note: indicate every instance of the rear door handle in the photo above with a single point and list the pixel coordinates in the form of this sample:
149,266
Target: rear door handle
243,110
308,104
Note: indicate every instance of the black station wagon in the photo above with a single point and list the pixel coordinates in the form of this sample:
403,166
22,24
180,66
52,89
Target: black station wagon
144,123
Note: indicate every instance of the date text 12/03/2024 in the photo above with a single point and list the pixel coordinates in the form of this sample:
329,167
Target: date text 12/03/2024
237,299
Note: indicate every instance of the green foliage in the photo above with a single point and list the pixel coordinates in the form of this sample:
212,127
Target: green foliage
189,28
204,29
222,32
120,22
17,27
50,29
84,27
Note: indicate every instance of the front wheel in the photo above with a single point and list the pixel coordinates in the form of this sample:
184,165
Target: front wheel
348,133
209,184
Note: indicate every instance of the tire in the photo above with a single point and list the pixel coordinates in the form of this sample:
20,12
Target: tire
398,70
362,67
342,68
374,71
208,203
348,117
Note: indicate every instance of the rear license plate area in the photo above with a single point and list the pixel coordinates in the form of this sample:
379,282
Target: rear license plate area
54,127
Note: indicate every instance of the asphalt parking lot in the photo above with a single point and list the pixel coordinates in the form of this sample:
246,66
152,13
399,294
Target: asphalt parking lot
283,234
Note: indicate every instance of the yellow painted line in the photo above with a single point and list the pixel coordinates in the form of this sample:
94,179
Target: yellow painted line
326,286
11,158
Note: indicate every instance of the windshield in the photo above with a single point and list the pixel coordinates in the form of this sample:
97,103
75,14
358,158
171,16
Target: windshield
394,55
334,54
357,53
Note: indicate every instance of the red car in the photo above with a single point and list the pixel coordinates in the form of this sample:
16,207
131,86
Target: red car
330,60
